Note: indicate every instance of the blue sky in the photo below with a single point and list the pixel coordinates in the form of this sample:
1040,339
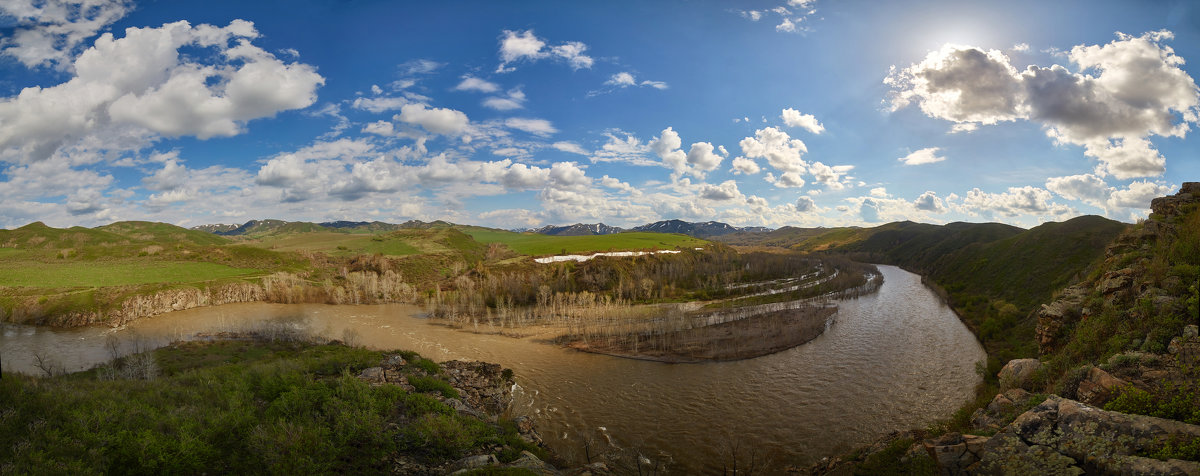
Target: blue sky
518,114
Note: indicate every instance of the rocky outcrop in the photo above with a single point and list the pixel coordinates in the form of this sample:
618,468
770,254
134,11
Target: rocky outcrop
1169,206
1062,436
1056,317
1018,373
1000,410
1098,387
955,453
161,302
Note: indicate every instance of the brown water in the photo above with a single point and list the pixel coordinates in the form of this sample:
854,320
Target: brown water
895,359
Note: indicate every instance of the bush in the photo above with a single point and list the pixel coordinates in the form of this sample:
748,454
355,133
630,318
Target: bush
430,367
432,384
442,436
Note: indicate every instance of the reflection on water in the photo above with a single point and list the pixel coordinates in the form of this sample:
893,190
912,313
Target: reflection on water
895,359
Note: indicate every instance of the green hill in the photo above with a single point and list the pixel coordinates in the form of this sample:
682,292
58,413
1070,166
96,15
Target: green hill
161,233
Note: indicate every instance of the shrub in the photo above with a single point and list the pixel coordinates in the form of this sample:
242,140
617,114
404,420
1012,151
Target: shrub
442,436
430,367
432,384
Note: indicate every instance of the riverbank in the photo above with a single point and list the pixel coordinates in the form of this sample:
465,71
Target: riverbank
743,338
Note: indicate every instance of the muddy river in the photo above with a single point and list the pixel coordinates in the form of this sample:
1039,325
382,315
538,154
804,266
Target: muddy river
895,359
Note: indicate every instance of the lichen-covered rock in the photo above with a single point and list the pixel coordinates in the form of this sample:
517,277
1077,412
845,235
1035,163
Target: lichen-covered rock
533,464
1062,436
1018,373
955,453
994,415
482,385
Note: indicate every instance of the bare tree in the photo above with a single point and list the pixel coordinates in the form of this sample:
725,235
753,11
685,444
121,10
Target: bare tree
46,365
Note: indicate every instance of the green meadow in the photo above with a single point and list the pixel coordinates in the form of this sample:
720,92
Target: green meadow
112,273
535,244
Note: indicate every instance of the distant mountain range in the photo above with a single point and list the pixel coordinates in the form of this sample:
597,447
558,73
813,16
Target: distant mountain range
699,230
272,227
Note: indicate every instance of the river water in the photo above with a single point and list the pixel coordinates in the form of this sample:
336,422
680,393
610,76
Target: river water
895,359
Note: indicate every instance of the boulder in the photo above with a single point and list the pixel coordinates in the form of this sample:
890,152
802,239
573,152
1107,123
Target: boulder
999,410
955,453
1062,436
1191,331
1098,387
372,375
533,464
1018,373
473,462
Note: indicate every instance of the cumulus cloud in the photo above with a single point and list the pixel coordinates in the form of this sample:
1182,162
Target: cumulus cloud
698,160
517,46
927,155
793,118
51,33
726,191
142,81
929,202
742,165
781,151
805,204
436,120
1123,93
1093,190
1016,201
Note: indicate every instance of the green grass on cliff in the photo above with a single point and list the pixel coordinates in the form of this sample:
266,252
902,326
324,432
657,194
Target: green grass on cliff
240,407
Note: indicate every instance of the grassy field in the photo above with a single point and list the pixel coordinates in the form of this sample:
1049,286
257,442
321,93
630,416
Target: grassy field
536,244
112,273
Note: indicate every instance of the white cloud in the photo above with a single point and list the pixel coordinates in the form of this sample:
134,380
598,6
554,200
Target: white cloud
786,180
742,165
436,120
50,33
1021,47
516,46
141,81
793,14
539,127
728,190
701,157
515,99
626,79
929,202
1016,201
1124,92
805,204
380,104
570,147
622,79
781,151
627,149
1137,195
927,155
793,118
471,83
1086,188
